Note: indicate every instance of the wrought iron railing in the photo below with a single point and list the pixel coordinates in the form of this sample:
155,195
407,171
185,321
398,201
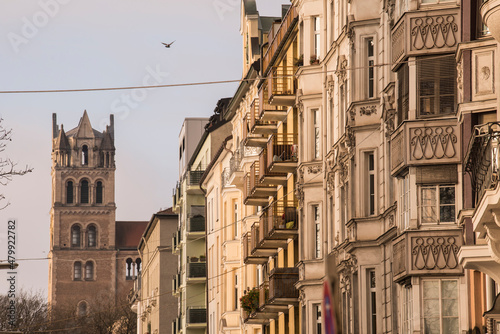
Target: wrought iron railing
254,236
194,176
282,283
482,160
196,315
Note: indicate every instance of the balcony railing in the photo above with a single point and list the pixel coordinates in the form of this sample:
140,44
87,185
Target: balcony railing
277,40
259,126
282,285
482,161
266,176
194,177
196,316
263,294
176,283
282,221
176,241
249,137
177,325
282,85
196,270
267,111
282,152
254,192
196,223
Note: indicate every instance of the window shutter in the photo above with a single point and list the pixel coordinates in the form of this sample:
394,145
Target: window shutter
403,93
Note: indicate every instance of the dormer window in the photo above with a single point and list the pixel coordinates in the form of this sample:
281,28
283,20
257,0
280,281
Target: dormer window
85,155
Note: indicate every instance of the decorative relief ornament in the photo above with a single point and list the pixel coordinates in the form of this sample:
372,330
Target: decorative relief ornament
368,110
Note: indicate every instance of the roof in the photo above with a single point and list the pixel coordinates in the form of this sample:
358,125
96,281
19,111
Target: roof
250,7
166,212
163,213
266,22
129,233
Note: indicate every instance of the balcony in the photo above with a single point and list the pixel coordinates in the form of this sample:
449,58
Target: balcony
428,32
282,221
282,153
196,271
421,142
176,284
268,112
282,86
278,39
426,253
193,181
196,317
254,192
195,226
176,242
260,126
490,12
282,289
176,197
252,252
249,138
266,176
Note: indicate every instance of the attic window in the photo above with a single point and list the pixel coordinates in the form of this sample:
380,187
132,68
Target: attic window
85,155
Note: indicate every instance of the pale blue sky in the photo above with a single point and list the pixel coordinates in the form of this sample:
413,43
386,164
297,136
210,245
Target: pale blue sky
90,44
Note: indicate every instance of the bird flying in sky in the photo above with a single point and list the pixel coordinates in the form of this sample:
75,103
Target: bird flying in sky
167,45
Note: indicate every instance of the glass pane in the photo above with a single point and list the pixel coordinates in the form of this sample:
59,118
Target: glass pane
431,289
431,326
450,326
427,87
447,214
447,195
449,289
446,104
431,308
450,308
428,215
428,196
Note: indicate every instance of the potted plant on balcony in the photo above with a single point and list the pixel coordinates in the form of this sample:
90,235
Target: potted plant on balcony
314,60
203,258
250,301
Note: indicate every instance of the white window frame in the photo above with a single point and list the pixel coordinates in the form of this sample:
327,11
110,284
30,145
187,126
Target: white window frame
434,2
371,300
235,218
316,215
406,310
404,202
437,205
342,107
440,299
316,28
317,318
370,188
369,42
316,134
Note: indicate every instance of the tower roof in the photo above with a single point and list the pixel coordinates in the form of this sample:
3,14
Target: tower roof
62,141
84,129
107,142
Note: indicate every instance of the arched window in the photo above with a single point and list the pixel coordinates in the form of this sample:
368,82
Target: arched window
107,159
98,192
84,192
91,236
89,271
82,309
137,267
69,192
128,269
77,271
75,236
85,155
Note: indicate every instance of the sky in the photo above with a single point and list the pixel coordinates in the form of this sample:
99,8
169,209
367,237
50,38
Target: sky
74,44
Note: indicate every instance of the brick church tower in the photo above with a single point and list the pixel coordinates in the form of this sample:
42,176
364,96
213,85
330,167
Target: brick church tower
92,256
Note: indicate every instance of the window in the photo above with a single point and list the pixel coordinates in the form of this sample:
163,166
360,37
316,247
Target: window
235,218
482,29
372,301
346,313
317,232
75,236
317,318
406,310
401,7
332,21
82,309
138,267
317,39
343,213
437,204
98,192
69,192
91,236
342,109
89,271
436,86
370,62
85,155
440,306
235,291
77,271
84,192
404,202
316,137
128,269
403,74
370,182
435,1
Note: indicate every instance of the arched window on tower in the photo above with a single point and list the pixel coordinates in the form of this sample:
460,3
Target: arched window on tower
84,192
89,271
85,155
91,236
82,309
137,267
77,271
75,236
98,192
69,192
128,269
101,159
107,159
